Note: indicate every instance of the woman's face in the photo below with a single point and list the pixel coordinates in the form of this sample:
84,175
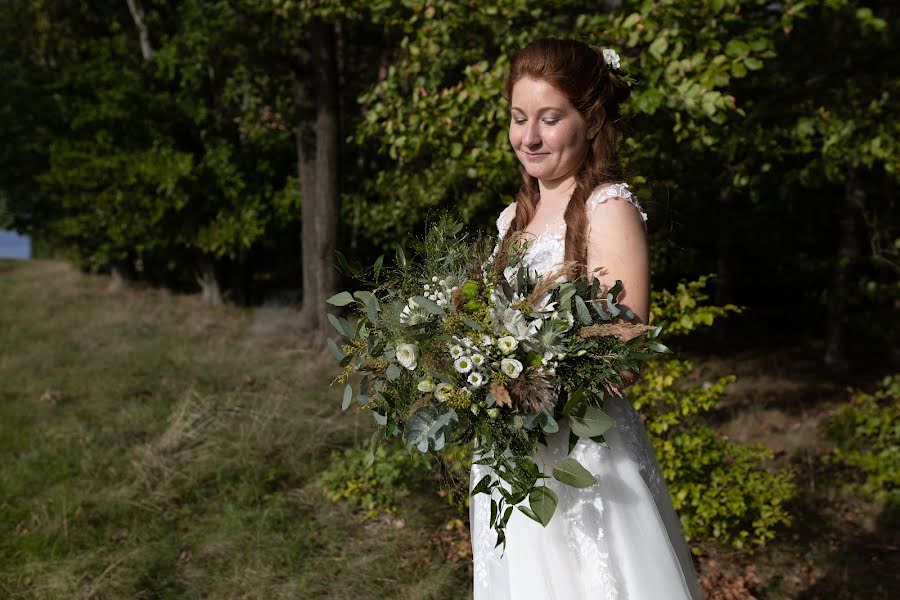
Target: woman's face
548,134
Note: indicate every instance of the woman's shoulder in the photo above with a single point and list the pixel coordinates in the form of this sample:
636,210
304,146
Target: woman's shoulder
617,190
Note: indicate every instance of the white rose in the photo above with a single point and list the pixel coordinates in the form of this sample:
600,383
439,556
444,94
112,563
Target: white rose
507,344
442,391
406,355
426,385
511,367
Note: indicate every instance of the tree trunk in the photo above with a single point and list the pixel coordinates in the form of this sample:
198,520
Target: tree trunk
848,251
306,171
137,14
327,128
318,157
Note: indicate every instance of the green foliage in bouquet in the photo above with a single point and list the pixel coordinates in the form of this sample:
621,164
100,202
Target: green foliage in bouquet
464,344
719,488
866,432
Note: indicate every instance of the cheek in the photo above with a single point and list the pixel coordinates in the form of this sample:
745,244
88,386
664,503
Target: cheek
514,137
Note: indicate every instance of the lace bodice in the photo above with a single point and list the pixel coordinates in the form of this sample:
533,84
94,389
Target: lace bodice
546,252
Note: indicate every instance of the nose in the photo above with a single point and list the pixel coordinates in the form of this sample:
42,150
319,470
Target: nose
531,137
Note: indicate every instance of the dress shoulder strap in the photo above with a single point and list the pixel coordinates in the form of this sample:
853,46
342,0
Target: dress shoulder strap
505,219
614,190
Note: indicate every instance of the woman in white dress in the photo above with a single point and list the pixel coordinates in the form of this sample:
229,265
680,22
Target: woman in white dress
620,538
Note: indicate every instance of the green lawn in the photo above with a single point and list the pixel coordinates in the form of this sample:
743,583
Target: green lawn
154,447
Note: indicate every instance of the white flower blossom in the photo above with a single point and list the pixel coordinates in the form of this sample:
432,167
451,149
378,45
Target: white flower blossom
456,351
475,379
507,344
511,367
434,279
426,385
427,287
442,391
486,341
463,364
611,58
407,355
477,359
467,342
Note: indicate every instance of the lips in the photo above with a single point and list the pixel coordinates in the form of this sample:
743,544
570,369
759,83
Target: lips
535,155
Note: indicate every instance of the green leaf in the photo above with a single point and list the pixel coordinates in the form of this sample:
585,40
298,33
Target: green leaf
393,372
481,486
378,262
657,347
340,299
401,258
335,351
582,311
658,47
341,325
428,305
543,503
591,422
570,472
429,427
348,397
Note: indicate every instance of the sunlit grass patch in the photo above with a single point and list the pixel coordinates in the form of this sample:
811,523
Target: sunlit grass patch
155,447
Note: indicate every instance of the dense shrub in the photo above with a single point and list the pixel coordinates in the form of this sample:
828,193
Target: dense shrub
719,488
866,432
375,487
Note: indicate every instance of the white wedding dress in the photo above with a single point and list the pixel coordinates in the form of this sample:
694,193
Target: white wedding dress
618,539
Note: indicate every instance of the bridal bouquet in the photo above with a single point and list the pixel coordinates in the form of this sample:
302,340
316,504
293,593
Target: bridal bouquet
453,347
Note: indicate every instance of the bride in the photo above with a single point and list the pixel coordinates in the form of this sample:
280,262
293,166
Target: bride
621,537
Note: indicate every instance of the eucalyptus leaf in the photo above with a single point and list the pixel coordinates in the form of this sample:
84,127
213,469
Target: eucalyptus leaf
393,372
429,425
543,502
340,299
335,351
348,397
592,421
581,310
428,305
571,472
550,426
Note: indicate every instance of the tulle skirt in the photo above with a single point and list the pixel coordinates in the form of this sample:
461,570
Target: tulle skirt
618,539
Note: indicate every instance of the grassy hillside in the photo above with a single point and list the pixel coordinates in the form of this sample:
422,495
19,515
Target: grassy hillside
156,448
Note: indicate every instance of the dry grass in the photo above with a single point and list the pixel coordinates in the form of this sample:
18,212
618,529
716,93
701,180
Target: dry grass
157,447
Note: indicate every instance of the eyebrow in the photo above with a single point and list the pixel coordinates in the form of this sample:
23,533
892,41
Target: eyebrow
540,110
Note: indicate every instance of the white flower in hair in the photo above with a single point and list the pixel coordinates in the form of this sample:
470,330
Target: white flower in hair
611,58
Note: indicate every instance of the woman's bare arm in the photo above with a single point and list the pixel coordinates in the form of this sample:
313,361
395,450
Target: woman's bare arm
618,244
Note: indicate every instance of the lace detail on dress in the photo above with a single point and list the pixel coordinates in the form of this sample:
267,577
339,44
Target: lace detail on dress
544,253
614,190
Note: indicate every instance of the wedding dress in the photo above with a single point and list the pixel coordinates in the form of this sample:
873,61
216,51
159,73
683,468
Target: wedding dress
618,539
